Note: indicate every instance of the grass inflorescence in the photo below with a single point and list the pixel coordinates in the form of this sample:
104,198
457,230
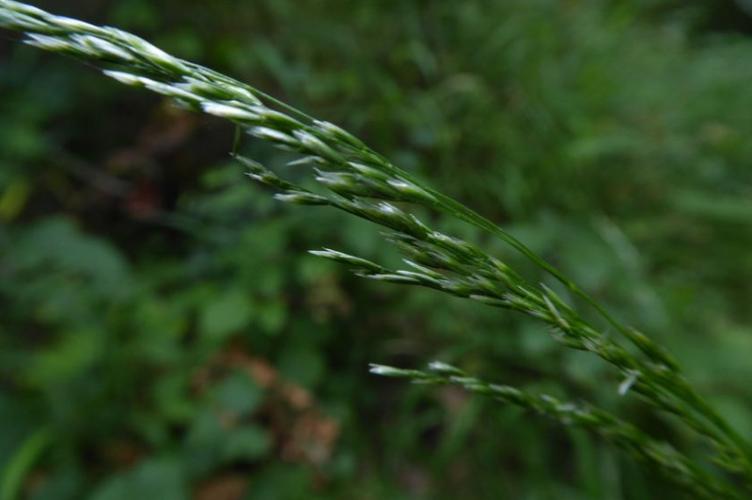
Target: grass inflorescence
357,180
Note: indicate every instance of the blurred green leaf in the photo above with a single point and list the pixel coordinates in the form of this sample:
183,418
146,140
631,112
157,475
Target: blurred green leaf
249,442
225,314
22,462
158,479
237,394
302,363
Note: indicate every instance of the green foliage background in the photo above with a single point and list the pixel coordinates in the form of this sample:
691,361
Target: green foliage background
149,292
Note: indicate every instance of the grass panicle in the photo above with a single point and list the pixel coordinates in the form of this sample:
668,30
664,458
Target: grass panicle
658,454
359,181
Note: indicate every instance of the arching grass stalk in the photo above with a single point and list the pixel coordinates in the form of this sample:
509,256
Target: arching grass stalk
441,262
355,175
661,455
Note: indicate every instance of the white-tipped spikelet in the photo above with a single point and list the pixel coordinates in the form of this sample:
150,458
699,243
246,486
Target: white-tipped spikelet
410,191
338,133
125,78
228,111
276,118
302,198
160,57
628,382
218,91
51,43
73,24
23,8
270,134
491,301
342,257
444,368
170,90
22,22
369,172
387,371
316,146
102,48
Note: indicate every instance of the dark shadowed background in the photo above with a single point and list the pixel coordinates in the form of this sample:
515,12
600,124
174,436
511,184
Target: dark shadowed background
165,335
